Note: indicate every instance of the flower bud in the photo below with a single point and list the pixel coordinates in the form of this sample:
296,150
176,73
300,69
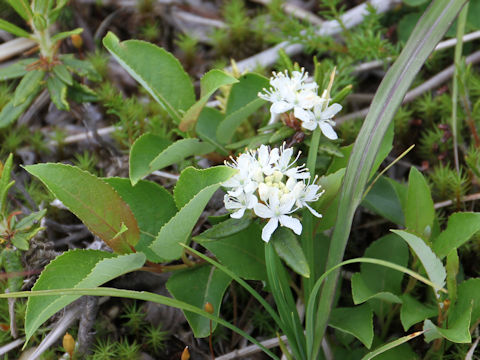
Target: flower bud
185,354
69,344
208,307
77,40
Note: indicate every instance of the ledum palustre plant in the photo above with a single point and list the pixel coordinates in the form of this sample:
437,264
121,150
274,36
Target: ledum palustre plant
148,228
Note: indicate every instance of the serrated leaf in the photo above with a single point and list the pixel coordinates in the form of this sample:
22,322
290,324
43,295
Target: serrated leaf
413,311
27,86
193,180
433,266
75,269
242,102
16,70
198,286
419,211
178,151
287,247
178,228
10,113
241,251
206,127
143,151
13,29
209,83
383,200
93,201
457,332
58,93
152,207
158,71
357,321
460,228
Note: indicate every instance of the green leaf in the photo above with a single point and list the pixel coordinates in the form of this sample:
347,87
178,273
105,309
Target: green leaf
198,286
385,148
22,8
177,230
433,266
242,252
281,134
178,151
357,321
415,2
158,71
65,34
194,180
27,86
468,296
5,183
290,251
413,311
209,83
460,228
93,201
58,93
419,211
81,67
10,113
13,29
394,345
225,228
389,95
81,93
361,292
11,262
406,25
206,127
457,332
63,74
16,70
75,269
152,207
452,268
242,102
143,151
383,200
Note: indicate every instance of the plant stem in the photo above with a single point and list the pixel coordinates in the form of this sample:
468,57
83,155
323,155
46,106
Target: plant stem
307,233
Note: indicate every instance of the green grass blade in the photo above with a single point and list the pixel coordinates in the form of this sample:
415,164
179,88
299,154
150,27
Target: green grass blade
391,345
428,32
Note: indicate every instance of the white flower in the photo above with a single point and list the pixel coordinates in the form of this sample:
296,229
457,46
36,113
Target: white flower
287,93
286,167
305,193
239,203
323,118
243,181
277,209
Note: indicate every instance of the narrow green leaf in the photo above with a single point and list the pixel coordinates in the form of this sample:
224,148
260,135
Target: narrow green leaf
390,345
80,67
16,70
95,202
22,8
457,332
177,230
158,71
11,262
452,268
63,74
419,211
460,228
428,32
58,93
357,321
139,295
5,183
209,83
225,229
27,86
433,266
10,113
193,180
13,29
198,286
65,34
75,269
242,252
152,207
206,127
413,311
178,151
143,151
242,102
287,247
385,148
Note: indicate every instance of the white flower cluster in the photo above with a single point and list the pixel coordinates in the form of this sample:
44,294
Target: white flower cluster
294,92
270,184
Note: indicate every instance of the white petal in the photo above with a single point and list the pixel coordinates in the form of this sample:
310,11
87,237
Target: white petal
269,229
238,214
301,113
331,111
273,118
313,211
280,107
309,125
262,211
292,223
328,131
